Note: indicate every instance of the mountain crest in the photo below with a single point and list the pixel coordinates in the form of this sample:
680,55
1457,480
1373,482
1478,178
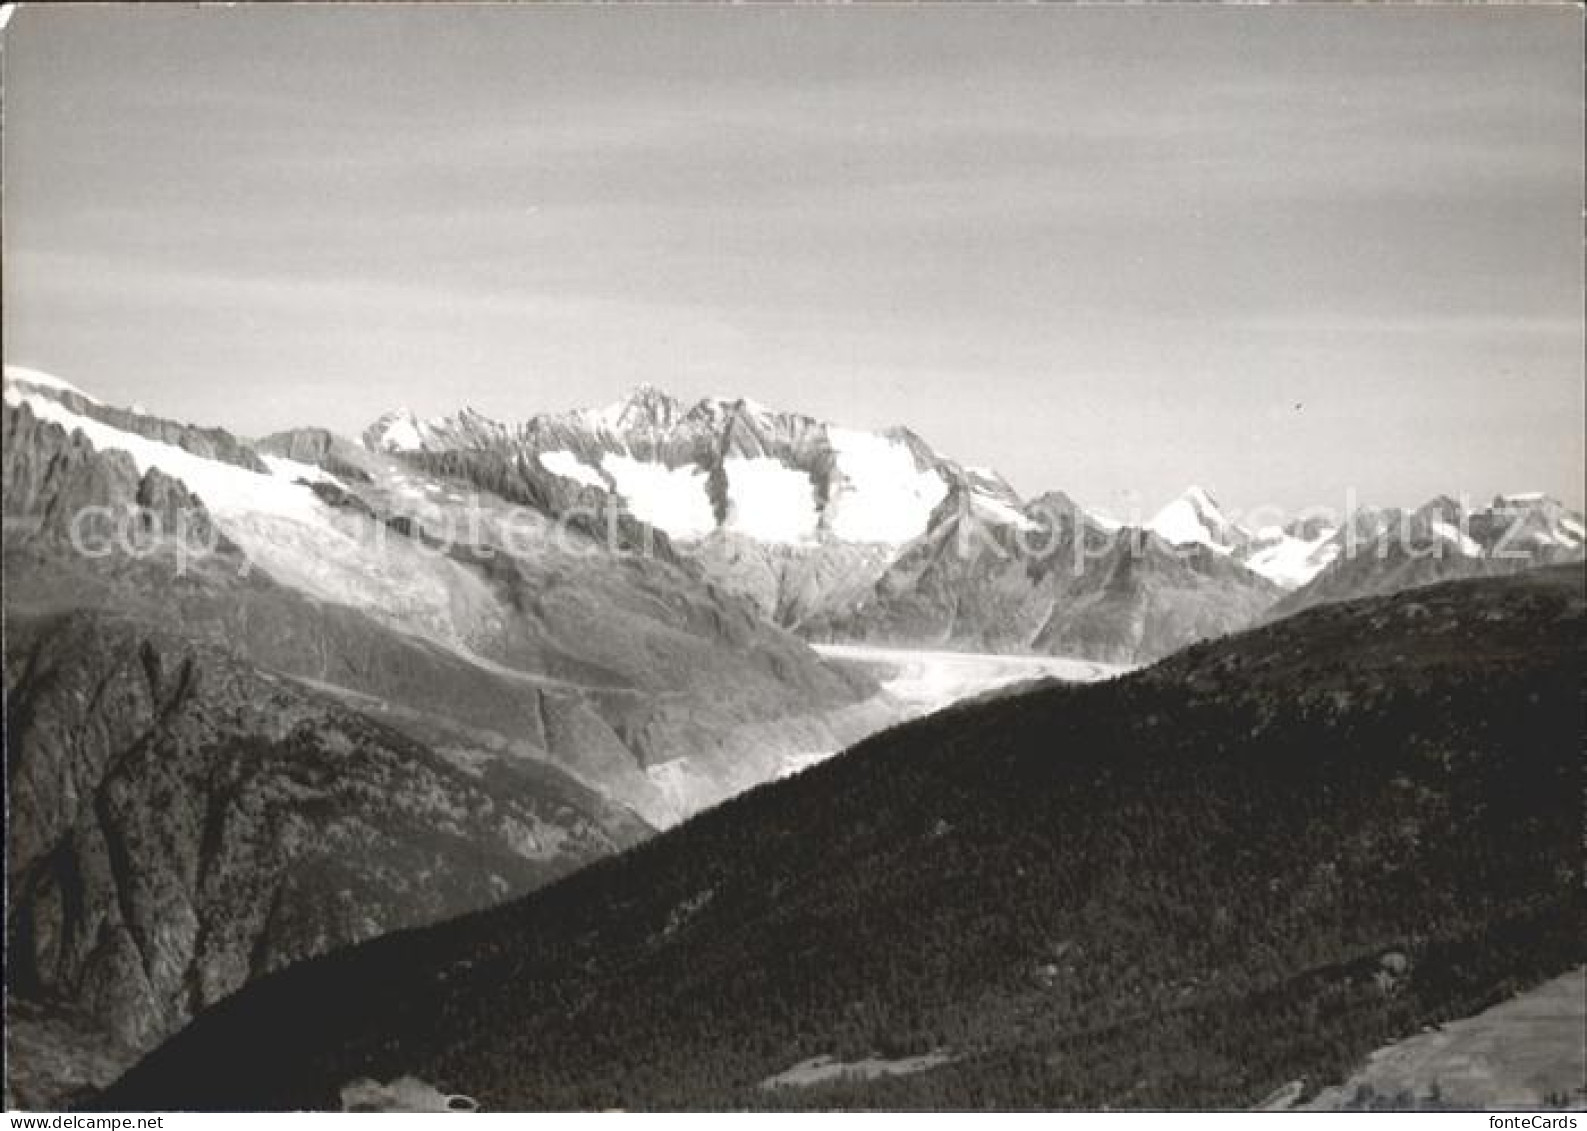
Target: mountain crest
645,408
1195,517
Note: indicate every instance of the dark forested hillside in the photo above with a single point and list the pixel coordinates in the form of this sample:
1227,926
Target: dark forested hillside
1252,863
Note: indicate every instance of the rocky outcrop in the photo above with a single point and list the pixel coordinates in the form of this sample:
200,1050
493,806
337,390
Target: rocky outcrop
211,443
582,509
320,448
57,486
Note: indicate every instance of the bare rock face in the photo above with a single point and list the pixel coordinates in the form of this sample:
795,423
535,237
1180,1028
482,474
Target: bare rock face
584,509
214,773
320,448
794,585
210,443
870,580
57,485
1056,583
1390,551
184,822
788,581
50,475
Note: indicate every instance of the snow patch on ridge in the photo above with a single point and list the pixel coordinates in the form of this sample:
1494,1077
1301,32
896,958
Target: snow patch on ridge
284,529
570,466
881,495
770,501
672,499
1467,544
293,470
1290,561
1000,512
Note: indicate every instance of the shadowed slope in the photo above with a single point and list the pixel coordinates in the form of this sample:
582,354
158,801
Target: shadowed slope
1257,861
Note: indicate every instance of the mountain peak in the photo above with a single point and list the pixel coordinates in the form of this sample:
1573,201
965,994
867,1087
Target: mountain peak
1196,517
1441,508
645,406
395,431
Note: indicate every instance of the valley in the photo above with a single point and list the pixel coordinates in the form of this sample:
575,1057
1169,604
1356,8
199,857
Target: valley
1259,860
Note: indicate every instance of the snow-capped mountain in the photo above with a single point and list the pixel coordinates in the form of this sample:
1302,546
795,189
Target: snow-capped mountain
343,528
1384,551
1293,554
1288,555
1057,581
796,514
1195,518
563,693
827,528
288,676
719,465
735,469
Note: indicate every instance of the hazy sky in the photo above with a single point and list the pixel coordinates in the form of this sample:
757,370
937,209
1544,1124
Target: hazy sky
1275,251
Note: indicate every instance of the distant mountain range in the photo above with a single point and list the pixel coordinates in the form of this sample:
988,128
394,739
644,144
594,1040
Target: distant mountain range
838,534
1240,870
1047,577
849,535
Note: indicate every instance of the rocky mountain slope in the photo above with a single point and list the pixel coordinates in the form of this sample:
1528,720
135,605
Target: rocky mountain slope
183,821
859,537
239,680
1289,555
828,529
491,613
1388,551
1252,863
734,466
1048,578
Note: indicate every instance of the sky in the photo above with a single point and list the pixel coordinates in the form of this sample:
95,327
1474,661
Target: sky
1284,253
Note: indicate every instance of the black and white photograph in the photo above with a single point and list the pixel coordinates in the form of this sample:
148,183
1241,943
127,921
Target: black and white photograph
793,558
